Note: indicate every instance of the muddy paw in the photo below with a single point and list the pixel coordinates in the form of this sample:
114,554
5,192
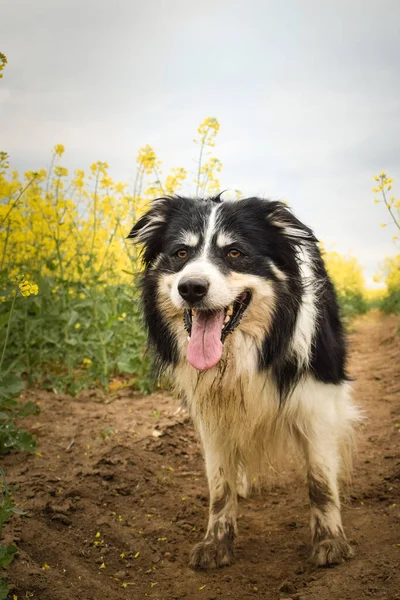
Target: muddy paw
211,554
331,552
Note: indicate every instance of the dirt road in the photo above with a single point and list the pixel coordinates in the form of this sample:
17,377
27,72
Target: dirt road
116,496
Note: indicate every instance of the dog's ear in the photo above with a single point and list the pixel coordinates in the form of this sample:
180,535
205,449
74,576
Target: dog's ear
150,228
281,217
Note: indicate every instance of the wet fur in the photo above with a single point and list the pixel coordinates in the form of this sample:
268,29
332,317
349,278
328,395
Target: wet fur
281,381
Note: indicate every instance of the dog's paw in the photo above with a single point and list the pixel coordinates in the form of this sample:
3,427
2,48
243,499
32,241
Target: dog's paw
331,552
211,554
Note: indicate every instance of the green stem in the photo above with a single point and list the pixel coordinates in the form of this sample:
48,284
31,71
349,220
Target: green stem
8,329
27,353
5,245
14,204
158,180
390,210
101,340
94,213
203,142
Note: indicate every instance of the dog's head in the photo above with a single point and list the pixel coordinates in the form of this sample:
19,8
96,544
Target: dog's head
218,266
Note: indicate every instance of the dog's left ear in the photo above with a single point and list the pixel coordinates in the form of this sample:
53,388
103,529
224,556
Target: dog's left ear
150,228
281,217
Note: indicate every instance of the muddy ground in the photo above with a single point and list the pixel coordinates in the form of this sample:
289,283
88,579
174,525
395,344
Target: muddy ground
116,496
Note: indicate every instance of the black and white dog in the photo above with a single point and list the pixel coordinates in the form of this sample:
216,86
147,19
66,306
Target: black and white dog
241,312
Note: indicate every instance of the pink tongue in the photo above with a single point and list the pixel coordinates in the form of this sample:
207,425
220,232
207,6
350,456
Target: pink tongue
205,347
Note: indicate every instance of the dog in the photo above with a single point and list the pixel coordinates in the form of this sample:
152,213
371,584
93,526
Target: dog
241,313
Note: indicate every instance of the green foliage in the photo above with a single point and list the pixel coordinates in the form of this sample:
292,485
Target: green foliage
391,302
7,509
3,62
11,385
71,335
352,304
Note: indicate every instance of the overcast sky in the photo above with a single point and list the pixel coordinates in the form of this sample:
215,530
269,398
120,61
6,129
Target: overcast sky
307,93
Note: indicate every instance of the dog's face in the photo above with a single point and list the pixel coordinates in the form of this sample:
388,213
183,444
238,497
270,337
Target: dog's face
218,267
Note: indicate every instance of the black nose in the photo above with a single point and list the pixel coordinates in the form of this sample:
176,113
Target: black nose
194,289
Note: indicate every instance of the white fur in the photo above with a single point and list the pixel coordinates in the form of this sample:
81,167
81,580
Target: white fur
236,406
189,238
219,295
224,239
210,230
239,405
147,231
306,318
277,272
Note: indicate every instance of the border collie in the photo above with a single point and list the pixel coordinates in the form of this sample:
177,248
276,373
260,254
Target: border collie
242,314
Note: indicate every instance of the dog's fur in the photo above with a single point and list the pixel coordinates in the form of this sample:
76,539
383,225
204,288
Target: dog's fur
281,378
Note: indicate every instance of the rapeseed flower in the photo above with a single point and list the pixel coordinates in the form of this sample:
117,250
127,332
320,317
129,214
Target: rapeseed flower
28,288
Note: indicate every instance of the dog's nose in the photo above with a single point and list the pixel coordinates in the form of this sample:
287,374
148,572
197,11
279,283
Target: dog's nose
193,289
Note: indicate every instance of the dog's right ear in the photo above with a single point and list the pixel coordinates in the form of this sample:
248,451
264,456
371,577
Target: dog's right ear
150,228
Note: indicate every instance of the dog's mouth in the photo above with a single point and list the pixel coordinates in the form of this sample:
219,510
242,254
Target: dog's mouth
208,330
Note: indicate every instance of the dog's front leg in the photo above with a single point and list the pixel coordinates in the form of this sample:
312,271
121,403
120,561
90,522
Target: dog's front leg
217,548
329,541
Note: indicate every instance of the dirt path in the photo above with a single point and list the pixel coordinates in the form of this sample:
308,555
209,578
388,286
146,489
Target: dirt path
112,514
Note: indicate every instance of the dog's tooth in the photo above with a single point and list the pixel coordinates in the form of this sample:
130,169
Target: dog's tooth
229,312
227,319
188,338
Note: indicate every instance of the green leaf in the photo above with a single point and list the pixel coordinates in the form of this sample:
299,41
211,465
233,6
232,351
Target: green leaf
126,365
27,409
4,318
7,554
3,588
11,385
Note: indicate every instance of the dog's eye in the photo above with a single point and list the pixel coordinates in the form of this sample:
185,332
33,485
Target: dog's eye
182,253
234,253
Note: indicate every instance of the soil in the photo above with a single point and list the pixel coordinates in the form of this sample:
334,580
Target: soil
116,496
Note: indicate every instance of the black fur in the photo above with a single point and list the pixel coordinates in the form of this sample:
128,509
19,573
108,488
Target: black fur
267,231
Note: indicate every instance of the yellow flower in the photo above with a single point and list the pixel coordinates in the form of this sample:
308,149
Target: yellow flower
395,237
77,326
59,149
86,361
146,159
27,288
45,566
383,224
376,200
60,171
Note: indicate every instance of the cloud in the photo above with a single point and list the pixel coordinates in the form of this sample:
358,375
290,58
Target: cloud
307,97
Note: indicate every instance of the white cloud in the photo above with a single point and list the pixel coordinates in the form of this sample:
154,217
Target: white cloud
307,94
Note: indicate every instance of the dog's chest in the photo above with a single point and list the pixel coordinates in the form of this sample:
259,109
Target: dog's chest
233,393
